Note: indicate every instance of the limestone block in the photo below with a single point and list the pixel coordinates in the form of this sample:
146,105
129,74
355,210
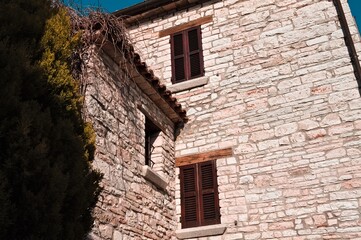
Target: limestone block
319,220
252,236
246,179
330,119
117,235
343,96
106,231
342,128
307,124
262,135
281,225
245,148
268,144
336,153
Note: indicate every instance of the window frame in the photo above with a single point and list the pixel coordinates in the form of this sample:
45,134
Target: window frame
198,193
186,55
152,131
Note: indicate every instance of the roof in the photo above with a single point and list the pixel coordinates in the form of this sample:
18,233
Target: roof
158,92
149,83
153,8
108,34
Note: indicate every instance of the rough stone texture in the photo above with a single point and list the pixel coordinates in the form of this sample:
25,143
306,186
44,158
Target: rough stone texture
130,207
282,93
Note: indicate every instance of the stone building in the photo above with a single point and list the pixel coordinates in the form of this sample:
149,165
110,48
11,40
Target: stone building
271,149
136,120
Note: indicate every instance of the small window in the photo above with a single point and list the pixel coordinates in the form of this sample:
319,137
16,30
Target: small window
187,56
151,134
199,194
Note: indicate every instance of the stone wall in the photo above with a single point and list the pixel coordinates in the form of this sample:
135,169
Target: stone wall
282,93
130,207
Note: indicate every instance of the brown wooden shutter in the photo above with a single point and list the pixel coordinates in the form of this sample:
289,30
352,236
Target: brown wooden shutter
199,194
178,58
187,55
189,205
195,53
209,201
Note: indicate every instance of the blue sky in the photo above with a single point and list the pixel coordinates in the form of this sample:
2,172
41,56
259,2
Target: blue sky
106,5
113,5
355,6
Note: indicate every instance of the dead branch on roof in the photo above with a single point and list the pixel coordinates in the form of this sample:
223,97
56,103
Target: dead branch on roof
97,29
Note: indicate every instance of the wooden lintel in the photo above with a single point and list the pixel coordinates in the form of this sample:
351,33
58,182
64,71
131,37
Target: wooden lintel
145,112
203,157
194,23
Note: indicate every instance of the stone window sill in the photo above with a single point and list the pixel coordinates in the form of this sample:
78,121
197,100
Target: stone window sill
154,177
204,231
189,84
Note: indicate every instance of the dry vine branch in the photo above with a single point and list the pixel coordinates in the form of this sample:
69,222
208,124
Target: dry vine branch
98,29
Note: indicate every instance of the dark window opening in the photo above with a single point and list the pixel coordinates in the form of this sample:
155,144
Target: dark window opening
187,56
151,134
199,195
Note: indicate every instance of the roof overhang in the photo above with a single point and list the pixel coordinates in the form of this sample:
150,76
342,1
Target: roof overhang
153,8
147,82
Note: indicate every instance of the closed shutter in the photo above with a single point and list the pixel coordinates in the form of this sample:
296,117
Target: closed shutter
178,58
195,53
189,196
209,194
199,195
187,56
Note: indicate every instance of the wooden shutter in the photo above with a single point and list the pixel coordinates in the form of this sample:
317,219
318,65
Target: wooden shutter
195,57
187,56
199,194
178,58
189,198
209,201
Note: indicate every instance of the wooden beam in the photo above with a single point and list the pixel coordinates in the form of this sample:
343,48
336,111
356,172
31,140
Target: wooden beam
194,23
203,157
147,115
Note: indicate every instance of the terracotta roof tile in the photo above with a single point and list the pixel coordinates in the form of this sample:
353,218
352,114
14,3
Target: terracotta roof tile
160,88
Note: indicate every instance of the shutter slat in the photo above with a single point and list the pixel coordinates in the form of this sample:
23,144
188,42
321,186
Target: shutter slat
199,195
195,57
190,209
209,195
187,56
207,176
178,59
189,180
189,206
195,64
193,40
179,69
178,44
209,208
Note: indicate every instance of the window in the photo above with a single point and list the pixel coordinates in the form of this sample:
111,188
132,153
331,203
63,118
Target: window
187,56
199,194
153,168
151,134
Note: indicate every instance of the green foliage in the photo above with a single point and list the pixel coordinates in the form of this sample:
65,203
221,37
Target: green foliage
47,186
58,45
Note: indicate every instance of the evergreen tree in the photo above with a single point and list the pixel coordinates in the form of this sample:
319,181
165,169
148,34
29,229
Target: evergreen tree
47,186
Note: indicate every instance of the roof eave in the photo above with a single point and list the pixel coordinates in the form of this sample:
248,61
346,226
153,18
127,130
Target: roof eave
150,84
141,7
154,8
